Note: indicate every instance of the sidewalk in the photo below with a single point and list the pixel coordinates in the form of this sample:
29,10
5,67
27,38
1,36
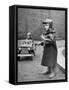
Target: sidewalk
33,71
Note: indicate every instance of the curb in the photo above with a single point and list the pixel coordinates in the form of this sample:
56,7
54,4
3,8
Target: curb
61,68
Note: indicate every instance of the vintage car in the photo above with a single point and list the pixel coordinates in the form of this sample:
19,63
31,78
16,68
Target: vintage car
26,48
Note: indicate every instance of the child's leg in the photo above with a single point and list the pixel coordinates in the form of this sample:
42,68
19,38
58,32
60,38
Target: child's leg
52,70
48,71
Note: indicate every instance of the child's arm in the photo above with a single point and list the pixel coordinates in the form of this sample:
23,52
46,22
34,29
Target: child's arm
42,36
45,38
51,36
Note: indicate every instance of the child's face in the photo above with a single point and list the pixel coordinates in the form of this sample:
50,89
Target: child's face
46,26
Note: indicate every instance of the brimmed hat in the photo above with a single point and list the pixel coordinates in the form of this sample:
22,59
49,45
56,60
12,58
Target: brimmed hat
47,21
29,33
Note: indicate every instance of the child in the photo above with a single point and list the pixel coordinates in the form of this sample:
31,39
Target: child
49,58
29,36
30,50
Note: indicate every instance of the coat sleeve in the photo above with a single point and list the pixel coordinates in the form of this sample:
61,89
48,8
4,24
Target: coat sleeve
51,37
42,43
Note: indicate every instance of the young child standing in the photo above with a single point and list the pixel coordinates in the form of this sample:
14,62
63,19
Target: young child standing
49,58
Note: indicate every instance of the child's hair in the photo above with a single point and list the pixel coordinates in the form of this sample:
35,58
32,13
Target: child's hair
51,25
50,22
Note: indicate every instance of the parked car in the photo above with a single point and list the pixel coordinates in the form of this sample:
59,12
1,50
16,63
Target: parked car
26,48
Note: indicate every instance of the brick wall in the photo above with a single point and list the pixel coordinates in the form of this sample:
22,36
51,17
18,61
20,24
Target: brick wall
31,20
